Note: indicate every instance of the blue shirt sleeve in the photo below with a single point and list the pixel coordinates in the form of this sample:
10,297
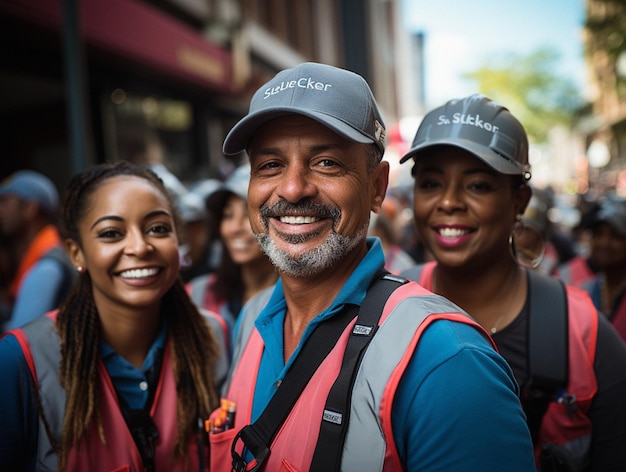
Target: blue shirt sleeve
457,406
19,425
38,293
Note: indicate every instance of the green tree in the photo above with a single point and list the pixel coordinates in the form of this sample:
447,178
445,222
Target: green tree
531,89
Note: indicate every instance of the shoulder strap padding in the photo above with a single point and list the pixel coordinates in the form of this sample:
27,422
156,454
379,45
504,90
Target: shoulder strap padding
327,455
548,348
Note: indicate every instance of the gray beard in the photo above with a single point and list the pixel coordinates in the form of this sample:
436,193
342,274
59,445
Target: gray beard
315,261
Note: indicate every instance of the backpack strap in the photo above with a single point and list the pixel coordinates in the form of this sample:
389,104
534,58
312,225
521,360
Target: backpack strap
548,349
257,437
328,451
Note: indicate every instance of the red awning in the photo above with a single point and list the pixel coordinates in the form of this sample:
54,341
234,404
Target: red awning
136,31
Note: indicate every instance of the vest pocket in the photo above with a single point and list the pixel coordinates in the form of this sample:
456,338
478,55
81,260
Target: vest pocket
220,457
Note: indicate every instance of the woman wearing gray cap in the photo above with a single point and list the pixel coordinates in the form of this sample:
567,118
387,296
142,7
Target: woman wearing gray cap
471,188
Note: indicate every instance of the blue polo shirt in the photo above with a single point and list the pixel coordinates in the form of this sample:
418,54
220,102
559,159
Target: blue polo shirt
19,425
131,383
271,320
457,405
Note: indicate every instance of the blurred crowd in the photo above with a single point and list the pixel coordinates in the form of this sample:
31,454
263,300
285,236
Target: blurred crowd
582,241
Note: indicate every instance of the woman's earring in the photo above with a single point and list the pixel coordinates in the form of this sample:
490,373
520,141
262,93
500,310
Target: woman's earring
526,244
80,269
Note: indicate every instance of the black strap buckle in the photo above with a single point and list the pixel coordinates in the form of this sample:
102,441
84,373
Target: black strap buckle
145,433
254,444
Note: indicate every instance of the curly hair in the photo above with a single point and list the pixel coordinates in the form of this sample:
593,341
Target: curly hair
193,345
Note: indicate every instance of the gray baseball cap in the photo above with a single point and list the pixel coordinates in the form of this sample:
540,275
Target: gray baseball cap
480,126
337,98
613,212
236,184
32,186
191,207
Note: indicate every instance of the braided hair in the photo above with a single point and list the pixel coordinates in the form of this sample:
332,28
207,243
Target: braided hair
194,348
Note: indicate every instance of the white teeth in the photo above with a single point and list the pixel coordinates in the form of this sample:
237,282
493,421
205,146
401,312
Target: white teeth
139,273
298,220
452,232
239,243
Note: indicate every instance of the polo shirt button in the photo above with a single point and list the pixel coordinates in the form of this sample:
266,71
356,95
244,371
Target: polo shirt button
143,385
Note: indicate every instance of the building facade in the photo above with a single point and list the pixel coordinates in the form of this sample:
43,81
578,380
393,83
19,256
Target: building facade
604,124
87,81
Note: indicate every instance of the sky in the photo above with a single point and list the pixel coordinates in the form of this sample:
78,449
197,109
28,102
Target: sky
460,34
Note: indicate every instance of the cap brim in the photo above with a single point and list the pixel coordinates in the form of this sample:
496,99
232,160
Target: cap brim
9,189
239,136
489,157
617,226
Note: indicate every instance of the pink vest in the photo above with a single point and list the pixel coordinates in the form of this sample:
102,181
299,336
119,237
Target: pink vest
119,453
560,426
575,272
369,443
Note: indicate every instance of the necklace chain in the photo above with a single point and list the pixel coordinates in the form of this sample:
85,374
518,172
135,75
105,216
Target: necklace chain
494,328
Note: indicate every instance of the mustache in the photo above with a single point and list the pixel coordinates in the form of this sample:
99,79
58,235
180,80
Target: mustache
308,207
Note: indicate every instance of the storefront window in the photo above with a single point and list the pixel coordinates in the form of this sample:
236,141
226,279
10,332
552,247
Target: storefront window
148,130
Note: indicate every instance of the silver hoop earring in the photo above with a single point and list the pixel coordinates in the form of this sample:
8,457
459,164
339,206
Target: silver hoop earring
526,244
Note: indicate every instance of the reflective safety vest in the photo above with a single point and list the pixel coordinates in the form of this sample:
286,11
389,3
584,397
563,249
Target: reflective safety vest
575,272
369,443
40,345
566,424
203,297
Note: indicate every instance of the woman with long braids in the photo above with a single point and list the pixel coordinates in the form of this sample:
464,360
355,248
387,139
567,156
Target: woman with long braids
122,375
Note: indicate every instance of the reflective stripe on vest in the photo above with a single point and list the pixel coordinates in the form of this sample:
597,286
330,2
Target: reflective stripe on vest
198,290
560,426
575,272
369,443
40,341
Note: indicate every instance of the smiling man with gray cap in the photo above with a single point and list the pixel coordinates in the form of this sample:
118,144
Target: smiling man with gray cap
315,138
43,274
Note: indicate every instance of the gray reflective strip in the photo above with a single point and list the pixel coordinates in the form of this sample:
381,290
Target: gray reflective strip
579,449
565,274
198,289
45,348
220,369
364,448
249,313
414,273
